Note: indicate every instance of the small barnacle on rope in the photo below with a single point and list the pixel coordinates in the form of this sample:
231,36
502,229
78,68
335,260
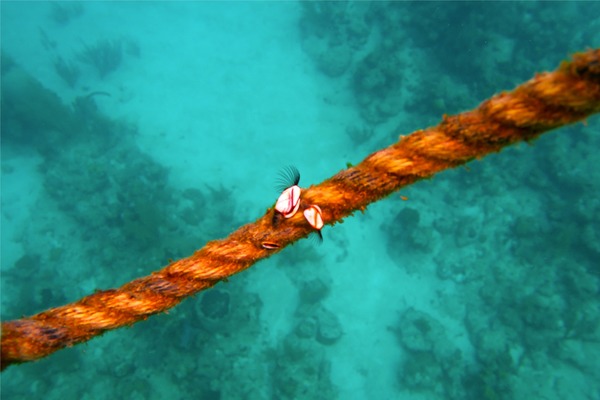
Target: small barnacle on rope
314,217
288,202
270,245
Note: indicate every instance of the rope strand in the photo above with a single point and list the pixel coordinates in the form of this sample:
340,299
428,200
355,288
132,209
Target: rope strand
549,100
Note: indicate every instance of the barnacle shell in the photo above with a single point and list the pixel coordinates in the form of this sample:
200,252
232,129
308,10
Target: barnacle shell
270,245
289,201
314,217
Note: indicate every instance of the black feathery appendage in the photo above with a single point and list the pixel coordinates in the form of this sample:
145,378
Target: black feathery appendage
288,177
318,237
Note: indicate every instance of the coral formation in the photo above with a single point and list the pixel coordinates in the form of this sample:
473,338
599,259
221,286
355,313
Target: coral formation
104,56
332,32
405,233
68,71
431,359
31,113
359,134
476,54
301,371
62,13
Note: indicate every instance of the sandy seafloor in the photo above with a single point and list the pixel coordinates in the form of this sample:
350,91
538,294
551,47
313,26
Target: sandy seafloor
223,94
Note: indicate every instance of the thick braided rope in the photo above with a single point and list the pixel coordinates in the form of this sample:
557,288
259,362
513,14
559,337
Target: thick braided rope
550,100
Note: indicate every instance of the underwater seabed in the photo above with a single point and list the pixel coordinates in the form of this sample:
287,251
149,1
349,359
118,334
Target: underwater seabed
481,283
468,309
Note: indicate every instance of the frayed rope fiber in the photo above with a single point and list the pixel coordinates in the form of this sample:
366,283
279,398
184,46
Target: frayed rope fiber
548,101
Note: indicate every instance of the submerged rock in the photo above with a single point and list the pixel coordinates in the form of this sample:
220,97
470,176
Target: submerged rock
330,329
215,304
213,309
313,291
307,328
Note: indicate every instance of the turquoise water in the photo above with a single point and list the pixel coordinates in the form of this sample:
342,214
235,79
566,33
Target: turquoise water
132,133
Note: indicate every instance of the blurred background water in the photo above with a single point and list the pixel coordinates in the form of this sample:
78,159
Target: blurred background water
132,133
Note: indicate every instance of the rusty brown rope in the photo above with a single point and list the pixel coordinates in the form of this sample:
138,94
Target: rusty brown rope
550,100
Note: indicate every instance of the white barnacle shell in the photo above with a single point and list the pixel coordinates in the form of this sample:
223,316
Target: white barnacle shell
270,245
314,217
289,201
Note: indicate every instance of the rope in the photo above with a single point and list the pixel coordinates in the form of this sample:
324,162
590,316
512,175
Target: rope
549,100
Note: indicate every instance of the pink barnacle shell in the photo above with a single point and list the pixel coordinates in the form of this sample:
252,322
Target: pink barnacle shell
270,245
289,201
314,217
